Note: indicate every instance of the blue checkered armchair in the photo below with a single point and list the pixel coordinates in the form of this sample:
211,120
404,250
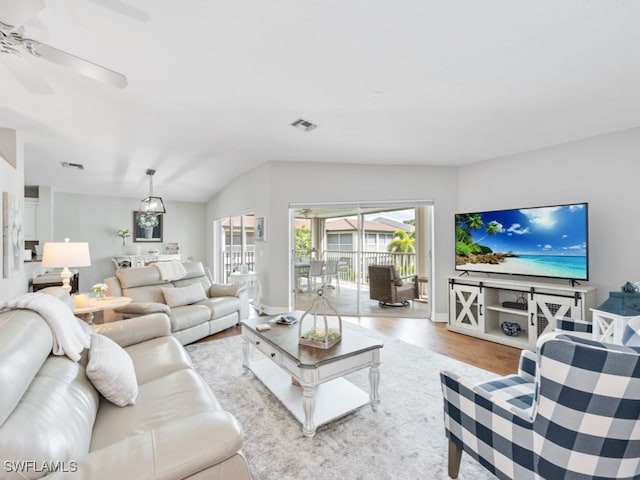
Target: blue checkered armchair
571,412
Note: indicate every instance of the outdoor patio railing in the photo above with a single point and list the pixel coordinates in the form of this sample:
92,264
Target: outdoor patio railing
232,260
404,262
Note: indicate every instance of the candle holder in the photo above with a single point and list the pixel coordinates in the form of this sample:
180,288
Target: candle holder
320,331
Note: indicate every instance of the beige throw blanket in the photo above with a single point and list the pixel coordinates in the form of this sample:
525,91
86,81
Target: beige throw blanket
172,270
68,336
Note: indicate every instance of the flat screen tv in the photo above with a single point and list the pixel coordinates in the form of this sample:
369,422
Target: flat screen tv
537,241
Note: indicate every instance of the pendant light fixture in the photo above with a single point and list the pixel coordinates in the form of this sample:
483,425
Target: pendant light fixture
152,205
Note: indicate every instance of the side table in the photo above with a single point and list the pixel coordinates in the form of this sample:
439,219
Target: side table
608,327
246,278
97,305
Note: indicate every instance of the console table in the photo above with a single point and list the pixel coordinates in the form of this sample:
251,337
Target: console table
144,260
478,306
54,280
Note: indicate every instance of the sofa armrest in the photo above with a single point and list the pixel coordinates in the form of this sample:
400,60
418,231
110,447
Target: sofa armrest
175,450
143,308
136,330
226,290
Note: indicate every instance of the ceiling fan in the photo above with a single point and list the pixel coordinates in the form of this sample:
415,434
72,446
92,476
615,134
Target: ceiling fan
13,43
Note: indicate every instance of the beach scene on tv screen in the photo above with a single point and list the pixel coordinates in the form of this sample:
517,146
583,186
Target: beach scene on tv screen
544,241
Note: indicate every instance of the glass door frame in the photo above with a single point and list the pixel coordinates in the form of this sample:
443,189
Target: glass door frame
219,243
360,209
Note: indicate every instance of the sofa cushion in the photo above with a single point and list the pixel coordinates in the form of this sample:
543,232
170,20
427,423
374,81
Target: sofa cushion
221,306
25,344
158,357
111,371
54,418
187,316
194,270
179,296
138,277
148,293
172,397
224,290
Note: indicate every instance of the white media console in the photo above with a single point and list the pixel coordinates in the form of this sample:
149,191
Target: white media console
477,307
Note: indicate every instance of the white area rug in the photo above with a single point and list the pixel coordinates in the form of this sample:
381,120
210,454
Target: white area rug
404,439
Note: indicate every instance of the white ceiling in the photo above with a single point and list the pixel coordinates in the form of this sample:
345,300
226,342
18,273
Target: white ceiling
214,85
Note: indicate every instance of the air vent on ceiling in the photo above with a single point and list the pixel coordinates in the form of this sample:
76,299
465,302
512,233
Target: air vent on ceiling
77,166
303,125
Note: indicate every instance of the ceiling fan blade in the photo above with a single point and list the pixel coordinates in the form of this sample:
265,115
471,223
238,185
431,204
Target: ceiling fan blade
123,8
17,12
26,74
79,65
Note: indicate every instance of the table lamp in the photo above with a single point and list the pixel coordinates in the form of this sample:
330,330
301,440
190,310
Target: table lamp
64,255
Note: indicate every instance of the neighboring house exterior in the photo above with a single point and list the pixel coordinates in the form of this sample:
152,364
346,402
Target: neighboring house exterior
342,233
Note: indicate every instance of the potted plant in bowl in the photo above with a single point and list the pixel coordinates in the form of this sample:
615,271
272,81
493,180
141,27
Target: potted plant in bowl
100,289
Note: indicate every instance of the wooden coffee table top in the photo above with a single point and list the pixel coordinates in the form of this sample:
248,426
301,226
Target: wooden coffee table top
284,338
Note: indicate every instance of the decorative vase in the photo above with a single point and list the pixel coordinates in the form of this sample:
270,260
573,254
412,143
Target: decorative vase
101,294
148,232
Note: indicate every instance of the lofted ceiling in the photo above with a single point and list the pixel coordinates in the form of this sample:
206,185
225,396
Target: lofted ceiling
213,86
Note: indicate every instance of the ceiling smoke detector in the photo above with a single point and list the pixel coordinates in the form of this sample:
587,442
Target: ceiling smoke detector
77,166
303,125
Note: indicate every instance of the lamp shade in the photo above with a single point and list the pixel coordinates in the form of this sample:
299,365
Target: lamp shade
66,254
152,206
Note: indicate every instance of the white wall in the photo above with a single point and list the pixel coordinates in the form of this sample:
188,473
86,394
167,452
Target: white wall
12,181
270,188
247,193
96,219
603,170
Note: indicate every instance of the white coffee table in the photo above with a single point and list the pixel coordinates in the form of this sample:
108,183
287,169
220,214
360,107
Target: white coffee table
309,381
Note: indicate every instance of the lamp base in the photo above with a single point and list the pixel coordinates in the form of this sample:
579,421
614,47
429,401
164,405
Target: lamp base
66,277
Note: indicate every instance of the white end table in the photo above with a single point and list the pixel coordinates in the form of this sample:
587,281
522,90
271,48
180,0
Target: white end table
608,327
250,277
97,305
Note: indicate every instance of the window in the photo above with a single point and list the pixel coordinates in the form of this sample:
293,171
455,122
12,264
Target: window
384,241
370,242
342,242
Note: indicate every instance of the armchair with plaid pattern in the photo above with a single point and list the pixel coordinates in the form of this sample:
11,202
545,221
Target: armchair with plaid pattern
571,412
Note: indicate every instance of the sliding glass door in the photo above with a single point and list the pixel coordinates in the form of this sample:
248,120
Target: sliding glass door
236,245
334,245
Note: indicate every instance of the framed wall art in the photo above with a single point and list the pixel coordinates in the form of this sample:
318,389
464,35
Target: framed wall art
260,234
12,234
147,228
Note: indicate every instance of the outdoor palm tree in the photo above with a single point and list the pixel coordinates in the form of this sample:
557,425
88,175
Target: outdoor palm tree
401,242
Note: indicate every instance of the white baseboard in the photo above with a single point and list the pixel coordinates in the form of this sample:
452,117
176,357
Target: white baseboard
441,317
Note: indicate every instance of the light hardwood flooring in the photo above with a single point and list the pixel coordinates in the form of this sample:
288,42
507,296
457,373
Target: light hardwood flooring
490,356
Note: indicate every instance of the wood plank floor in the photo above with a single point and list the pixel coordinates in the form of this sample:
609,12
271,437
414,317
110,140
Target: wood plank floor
490,356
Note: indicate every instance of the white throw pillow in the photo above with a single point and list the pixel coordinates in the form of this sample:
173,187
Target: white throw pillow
111,371
176,297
